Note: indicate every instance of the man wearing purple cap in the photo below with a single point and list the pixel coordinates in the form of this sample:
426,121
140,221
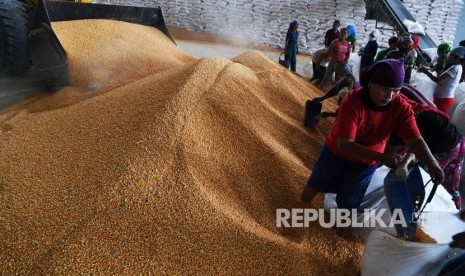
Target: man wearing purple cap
355,145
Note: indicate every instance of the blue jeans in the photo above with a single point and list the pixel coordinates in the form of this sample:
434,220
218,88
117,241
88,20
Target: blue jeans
291,55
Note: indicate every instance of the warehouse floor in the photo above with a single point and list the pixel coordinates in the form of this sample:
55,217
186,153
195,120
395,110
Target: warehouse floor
202,45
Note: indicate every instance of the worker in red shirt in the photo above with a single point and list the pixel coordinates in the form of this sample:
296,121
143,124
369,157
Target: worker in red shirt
355,145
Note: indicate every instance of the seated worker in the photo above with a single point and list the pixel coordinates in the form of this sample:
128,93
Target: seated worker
320,60
340,89
445,142
355,144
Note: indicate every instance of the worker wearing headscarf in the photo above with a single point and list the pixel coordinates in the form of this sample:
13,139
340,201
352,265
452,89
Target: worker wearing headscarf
405,51
355,145
368,52
291,48
443,54
352,37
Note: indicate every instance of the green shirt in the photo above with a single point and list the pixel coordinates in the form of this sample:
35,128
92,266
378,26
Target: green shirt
382,54
351,39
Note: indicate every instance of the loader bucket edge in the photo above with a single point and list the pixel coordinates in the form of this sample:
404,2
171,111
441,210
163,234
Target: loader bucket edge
66,11
47,54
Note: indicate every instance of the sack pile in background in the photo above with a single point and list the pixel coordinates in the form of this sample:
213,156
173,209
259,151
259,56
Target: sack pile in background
439,17
267,21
